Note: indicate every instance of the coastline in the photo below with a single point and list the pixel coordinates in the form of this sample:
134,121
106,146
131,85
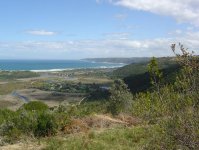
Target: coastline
56,66
70,69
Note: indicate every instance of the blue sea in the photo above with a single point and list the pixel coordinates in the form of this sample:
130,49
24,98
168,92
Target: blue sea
52,65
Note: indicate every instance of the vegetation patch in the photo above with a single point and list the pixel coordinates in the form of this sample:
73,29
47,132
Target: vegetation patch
11,75
35,106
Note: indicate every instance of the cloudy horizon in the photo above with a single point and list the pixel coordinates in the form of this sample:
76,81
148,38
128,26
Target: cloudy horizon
96,28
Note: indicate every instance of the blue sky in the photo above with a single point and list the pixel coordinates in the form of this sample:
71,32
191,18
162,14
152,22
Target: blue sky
74,29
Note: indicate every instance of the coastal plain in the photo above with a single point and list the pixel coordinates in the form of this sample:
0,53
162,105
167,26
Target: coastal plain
19,87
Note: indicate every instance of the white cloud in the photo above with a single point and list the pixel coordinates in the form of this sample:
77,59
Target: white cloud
181,10
41,32
112,47
176,32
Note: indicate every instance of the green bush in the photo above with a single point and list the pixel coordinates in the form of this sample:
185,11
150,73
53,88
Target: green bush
10,132
28,123
120,99
183,129
175,107
36,106
5,114
46,125
20,123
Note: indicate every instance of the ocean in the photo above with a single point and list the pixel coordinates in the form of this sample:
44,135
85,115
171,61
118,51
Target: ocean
52,65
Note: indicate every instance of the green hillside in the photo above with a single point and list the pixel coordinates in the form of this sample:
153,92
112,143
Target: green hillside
137,78
141,82
141,67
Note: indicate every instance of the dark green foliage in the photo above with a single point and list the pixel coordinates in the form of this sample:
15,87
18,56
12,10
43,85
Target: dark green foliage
141,68
128,70
142,82
46,125
99,95
120,99
35,106
138,83
31,124
27,122
138,79
154,72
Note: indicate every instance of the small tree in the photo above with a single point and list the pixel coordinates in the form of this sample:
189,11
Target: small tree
120,99
155,75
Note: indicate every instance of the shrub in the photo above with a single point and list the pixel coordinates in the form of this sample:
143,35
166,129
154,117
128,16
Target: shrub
9,132
28,123
20,123
183,129
120,99
46,125
36,106
5,114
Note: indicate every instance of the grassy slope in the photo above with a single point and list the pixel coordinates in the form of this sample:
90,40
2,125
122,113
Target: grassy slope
9,87
113,139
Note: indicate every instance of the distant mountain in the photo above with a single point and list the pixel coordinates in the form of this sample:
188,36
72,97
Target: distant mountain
120,60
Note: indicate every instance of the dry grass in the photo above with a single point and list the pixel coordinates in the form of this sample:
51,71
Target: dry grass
10,102
99,122
9,87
